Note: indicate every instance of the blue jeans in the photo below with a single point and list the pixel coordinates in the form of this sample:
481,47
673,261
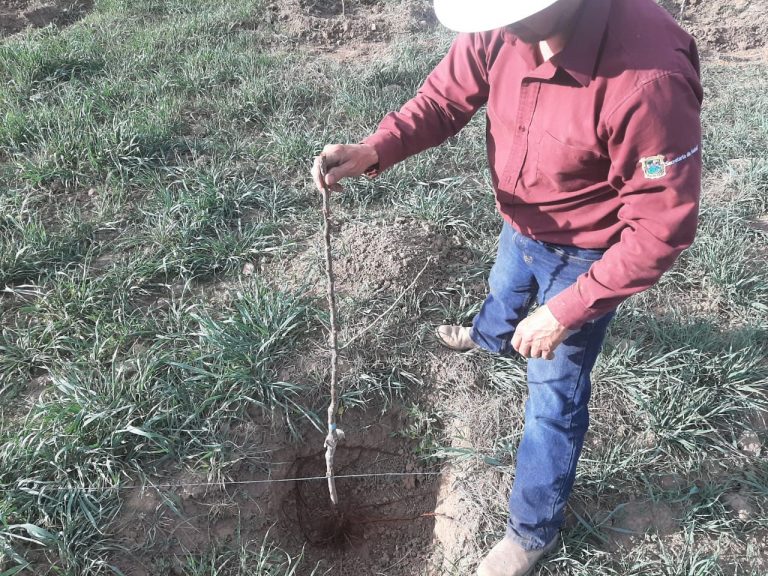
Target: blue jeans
556,414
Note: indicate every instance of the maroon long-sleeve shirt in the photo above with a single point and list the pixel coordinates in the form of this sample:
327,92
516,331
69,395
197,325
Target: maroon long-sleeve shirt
599,147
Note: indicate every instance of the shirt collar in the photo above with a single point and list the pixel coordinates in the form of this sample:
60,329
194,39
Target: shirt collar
580,55
525,51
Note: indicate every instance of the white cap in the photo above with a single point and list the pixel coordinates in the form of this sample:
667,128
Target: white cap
482,15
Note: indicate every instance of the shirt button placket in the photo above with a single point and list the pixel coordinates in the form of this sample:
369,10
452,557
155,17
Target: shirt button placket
529,92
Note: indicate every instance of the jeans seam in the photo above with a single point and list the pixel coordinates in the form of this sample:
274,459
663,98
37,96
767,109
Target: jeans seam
561,482
506,346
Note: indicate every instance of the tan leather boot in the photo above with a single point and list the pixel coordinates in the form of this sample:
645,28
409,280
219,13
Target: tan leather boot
455,337
508,558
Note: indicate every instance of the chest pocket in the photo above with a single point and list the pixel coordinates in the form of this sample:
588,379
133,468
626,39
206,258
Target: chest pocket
567,168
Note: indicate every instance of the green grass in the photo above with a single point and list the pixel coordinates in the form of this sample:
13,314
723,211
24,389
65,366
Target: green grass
164,387
247,560
151,151
29,246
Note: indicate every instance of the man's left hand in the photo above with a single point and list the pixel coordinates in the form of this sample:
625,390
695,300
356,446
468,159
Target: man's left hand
539,334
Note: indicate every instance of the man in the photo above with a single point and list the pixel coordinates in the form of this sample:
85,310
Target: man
593,135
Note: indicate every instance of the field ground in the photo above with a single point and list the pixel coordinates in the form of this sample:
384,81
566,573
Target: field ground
163,372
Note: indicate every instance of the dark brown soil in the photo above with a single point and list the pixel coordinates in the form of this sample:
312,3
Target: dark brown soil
374,259
383,524
349,29
16,15
721,26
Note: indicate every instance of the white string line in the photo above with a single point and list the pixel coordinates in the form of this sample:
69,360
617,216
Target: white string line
219,484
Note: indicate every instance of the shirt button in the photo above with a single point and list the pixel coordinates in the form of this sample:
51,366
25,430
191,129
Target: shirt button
521,129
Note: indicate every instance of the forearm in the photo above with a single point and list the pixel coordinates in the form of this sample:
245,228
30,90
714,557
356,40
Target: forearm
419,125
629,267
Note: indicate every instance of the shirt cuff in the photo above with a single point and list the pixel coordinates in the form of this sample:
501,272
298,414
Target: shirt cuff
389,149
569,310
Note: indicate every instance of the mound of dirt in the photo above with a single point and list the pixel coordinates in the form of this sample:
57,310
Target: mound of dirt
16,15
632,520
356,24
373,260
719,25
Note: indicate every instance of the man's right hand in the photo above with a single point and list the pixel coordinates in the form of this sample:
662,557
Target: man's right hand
343,161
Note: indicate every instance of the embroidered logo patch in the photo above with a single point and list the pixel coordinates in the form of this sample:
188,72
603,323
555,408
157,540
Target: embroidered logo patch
654,167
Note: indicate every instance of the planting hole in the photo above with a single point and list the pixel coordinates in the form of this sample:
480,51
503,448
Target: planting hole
382,523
